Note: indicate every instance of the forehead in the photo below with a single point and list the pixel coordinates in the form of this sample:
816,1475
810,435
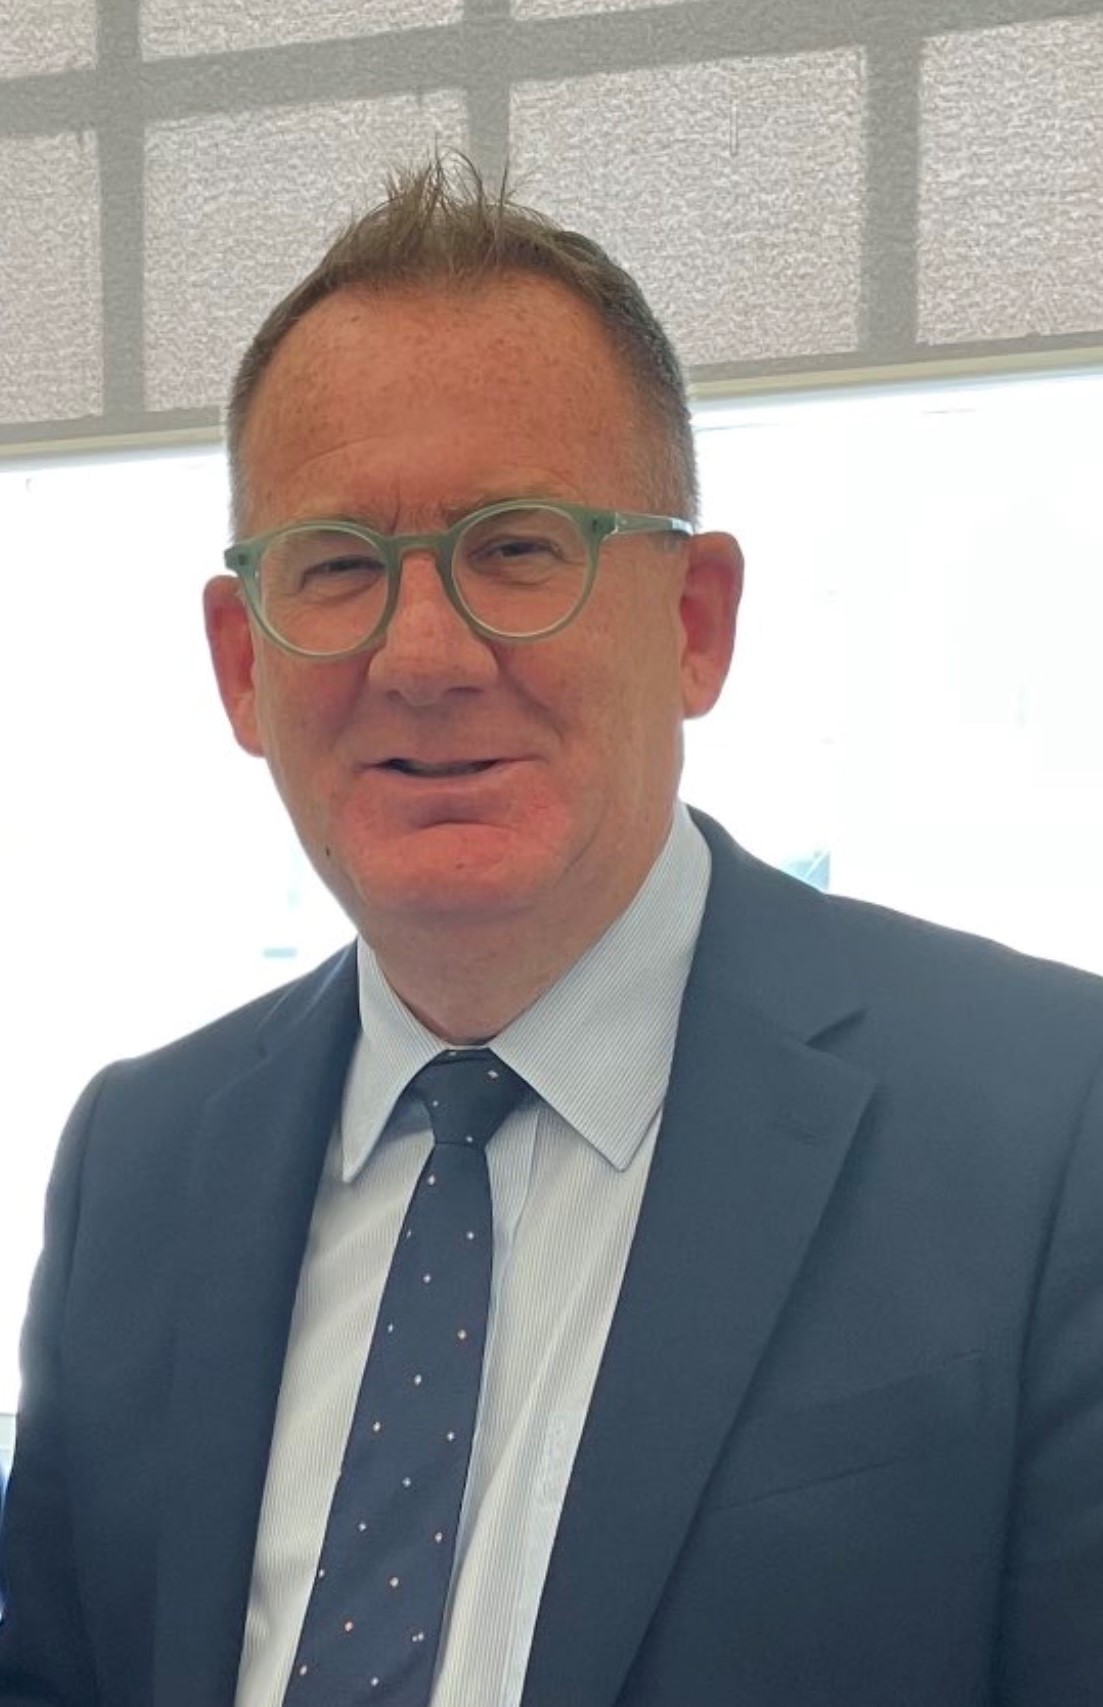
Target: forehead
408,390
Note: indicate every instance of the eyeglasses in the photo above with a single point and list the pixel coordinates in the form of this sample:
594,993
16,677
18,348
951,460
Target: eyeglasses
514,571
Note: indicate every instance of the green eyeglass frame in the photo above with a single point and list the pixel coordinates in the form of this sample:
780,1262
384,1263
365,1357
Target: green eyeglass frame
595,526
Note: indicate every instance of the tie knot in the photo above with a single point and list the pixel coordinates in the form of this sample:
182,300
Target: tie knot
468,1093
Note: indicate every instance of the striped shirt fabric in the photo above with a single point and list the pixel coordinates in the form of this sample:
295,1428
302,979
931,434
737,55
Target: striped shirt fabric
567,1174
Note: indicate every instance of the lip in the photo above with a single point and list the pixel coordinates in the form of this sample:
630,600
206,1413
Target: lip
489,766
465,783
422,802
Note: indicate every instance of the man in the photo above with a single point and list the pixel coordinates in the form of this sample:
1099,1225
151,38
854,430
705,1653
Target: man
792,1391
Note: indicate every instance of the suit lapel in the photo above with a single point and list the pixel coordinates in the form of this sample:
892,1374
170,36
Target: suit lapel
755,1129
258,1157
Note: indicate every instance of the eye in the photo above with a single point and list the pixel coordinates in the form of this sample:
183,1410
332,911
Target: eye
523,544
302,564
345,563
511,545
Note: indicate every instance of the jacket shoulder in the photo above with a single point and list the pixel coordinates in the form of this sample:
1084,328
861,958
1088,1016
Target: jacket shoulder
231,1043
782,936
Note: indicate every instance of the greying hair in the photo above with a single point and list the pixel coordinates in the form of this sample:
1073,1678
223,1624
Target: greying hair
446,231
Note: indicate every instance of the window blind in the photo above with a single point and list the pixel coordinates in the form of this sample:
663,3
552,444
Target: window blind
812,188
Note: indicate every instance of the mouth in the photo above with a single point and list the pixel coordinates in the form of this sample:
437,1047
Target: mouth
465,767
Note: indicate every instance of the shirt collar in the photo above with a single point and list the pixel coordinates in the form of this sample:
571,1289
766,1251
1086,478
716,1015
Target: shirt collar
596,1045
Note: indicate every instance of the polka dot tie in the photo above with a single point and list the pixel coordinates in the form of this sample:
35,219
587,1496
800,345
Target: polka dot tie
373,1623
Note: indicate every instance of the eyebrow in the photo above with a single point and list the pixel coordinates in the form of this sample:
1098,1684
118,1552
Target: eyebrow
455,512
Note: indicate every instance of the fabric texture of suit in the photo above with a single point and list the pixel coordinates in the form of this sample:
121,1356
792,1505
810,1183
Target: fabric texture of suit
846,1443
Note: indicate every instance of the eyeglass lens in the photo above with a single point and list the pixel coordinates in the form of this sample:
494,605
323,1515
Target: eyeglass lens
519,572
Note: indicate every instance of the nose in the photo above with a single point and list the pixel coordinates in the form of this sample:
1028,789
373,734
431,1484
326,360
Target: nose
428,650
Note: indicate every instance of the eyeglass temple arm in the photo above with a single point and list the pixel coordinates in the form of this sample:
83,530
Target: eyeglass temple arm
627,521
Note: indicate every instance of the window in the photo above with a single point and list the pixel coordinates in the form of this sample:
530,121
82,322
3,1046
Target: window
150,880
917,700
915,716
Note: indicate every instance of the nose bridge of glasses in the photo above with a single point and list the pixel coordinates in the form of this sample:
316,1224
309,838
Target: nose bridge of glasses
434,545
433,550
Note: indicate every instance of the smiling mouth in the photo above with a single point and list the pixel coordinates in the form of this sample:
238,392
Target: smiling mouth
410,767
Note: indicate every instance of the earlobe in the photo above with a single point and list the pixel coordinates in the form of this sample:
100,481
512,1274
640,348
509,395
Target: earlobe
230,638
711,593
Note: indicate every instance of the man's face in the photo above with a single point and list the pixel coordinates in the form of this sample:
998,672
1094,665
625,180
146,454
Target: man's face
405,411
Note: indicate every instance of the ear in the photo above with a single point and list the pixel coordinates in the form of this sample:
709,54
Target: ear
711,591
230,638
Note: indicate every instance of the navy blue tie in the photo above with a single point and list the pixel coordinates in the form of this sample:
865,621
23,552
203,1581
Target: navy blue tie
372,1627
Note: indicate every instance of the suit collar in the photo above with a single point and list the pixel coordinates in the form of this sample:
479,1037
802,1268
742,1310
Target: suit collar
771,943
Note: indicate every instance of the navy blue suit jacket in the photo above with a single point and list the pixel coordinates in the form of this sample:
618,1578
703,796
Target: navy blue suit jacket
846,1443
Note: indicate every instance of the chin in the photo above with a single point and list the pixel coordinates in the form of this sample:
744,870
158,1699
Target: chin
454,871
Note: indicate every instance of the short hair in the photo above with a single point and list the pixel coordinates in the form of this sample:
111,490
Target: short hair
444,230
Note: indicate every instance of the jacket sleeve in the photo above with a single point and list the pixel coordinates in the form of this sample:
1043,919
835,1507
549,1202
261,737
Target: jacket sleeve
45,1656
1050,1651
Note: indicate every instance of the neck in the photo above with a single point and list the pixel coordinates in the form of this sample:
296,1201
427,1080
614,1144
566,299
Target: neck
467,976
466,983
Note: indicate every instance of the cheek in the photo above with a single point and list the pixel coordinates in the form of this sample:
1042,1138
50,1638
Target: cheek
613,687
647,654
302,710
